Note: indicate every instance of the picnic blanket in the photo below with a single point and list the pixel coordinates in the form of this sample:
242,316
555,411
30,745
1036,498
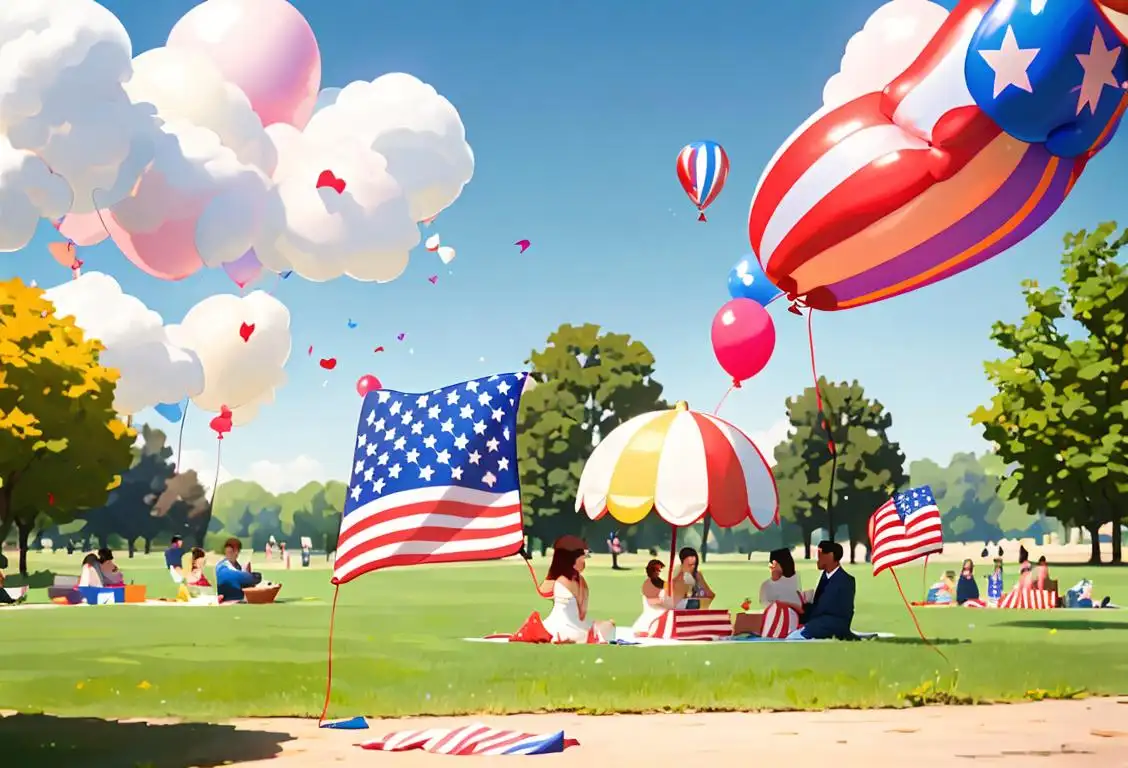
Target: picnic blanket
474,739
624,637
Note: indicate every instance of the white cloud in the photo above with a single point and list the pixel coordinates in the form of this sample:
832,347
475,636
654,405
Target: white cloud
893,36
153,369
28,192
287,475
242,375
203,462
767,439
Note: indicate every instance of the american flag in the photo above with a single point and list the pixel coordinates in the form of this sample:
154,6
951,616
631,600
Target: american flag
475,739
905,528
434,478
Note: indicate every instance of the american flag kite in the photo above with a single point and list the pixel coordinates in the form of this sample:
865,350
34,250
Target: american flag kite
905,528
434,478
476,739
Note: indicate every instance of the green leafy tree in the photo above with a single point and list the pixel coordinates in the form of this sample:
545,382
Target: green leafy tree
62,446
866,465
185,507
586,383
1060,412
967,492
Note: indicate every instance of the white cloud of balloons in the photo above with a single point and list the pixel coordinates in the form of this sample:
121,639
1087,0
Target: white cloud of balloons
171,147
204,358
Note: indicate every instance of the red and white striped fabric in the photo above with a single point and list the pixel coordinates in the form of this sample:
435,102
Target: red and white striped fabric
692,625
780,620
475,739
976,603
1032,600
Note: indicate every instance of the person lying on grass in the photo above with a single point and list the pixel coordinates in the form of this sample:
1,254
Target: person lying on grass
230,577
690,587
655,600
568,622
831,611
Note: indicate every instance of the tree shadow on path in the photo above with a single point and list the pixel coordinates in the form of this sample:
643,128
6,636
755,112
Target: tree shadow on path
45,741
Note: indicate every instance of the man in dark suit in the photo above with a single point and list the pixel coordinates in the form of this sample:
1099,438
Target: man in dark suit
832,610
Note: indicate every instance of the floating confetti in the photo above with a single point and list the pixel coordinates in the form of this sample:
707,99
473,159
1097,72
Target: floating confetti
433,279
144,685
401,336
523,245
329,180
379,348
447,254
310,351
328,363
432,243
245,331
351,323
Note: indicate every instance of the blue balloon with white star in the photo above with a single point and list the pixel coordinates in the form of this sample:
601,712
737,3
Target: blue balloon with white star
747,281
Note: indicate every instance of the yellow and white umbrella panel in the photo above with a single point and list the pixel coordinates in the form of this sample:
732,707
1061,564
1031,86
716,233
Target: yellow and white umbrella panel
684,464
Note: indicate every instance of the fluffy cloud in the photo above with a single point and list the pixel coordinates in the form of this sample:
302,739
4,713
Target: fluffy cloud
287,475
767,439
184,170
153,369
893,36
242,375
203,462
28,192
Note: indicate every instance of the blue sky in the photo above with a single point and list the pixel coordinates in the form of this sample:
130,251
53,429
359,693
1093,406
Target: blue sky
576,112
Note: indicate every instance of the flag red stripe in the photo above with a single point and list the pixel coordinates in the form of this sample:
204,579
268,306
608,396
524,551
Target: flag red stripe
425,559
469,511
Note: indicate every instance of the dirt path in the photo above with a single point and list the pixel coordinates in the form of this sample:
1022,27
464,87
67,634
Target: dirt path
1054,733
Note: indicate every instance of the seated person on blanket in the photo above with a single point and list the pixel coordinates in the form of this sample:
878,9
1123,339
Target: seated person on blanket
196,577
832,608
91,573
782,587
230,577
966,588
1081,596
111,574
943,592
568,622
655,600
5,598
690,587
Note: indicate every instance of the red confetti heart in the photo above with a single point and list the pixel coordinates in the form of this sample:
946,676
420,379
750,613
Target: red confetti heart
245,330
328,179
310,352
434,279
51,499
379,348
328,363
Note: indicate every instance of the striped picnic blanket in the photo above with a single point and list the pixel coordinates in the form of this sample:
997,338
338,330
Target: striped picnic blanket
474,739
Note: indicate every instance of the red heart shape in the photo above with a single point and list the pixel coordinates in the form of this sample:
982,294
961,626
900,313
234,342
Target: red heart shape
434,279
245,330
222,423
330,180
379,348
328,363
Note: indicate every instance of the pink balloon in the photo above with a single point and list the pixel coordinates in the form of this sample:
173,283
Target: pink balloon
367,383
266,47
84,228
743,338
244,270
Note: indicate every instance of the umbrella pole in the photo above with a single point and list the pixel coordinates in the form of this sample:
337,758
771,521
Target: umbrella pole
673,554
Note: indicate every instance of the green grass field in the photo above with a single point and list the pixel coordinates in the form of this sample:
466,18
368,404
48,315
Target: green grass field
399,650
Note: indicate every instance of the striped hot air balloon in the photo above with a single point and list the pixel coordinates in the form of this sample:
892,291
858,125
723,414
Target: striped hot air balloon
703,168
682,464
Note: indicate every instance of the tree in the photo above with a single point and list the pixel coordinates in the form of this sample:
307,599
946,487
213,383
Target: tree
967,492
61,444
185,507
867,466
1060,412
586,383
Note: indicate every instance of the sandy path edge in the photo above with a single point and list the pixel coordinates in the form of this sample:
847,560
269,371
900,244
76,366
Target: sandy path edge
1090,732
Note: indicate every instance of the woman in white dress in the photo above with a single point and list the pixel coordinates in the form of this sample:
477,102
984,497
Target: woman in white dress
568,622
655,601
782,587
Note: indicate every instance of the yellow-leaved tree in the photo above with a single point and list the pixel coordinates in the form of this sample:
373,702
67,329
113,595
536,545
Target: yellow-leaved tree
62,445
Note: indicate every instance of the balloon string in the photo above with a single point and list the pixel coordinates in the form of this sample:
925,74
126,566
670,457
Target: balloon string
830,444
329,659
723,398
924,578
215,484
912,615
180,438
98,211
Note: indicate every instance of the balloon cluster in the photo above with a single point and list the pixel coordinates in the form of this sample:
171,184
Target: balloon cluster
743,332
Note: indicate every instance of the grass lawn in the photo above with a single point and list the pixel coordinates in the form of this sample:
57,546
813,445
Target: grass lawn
398,650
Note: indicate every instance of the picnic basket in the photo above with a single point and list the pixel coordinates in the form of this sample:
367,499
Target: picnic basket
261,595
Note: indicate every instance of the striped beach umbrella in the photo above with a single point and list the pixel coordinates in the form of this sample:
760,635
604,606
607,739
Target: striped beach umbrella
683,464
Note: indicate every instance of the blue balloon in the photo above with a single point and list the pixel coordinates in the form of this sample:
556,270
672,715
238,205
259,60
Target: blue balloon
747,281
171,411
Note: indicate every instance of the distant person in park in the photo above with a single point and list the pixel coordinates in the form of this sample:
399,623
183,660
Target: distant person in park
91,573
616,547
966,588
174,559
1042,573
655,600
568,621
196,576
1025,575
5,598
831,610
230,577
995,583
111,574
690,587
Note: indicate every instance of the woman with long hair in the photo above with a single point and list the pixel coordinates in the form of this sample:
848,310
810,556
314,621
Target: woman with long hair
568,621
690,587
966,588
655,601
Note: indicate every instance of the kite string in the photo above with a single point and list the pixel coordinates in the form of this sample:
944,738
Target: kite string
329,670
728,392
912,615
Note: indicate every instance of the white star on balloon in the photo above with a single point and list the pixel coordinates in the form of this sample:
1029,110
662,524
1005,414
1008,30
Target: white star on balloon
1097,64
1010,64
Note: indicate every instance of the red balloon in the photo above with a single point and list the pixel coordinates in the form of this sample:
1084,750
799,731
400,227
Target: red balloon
222,423
743,338
367,383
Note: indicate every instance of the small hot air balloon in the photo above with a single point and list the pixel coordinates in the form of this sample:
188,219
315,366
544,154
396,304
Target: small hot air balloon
703,168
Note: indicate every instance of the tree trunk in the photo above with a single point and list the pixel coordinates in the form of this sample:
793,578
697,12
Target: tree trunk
148,546
853,546
1094,543
23,532
131,547
1116,540
705,537
807,543
103,540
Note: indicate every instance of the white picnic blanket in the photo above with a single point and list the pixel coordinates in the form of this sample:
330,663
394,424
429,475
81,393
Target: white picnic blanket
626,638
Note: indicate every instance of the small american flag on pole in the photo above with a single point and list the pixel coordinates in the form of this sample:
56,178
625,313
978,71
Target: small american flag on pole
434,478
905,528
476,739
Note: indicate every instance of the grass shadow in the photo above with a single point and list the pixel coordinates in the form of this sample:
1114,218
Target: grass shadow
918,641
1066,624
37,580
46,741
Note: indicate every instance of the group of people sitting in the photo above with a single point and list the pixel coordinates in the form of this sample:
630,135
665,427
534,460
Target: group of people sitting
231,578
824,613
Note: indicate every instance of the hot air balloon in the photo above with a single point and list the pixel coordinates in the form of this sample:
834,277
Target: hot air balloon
703,168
